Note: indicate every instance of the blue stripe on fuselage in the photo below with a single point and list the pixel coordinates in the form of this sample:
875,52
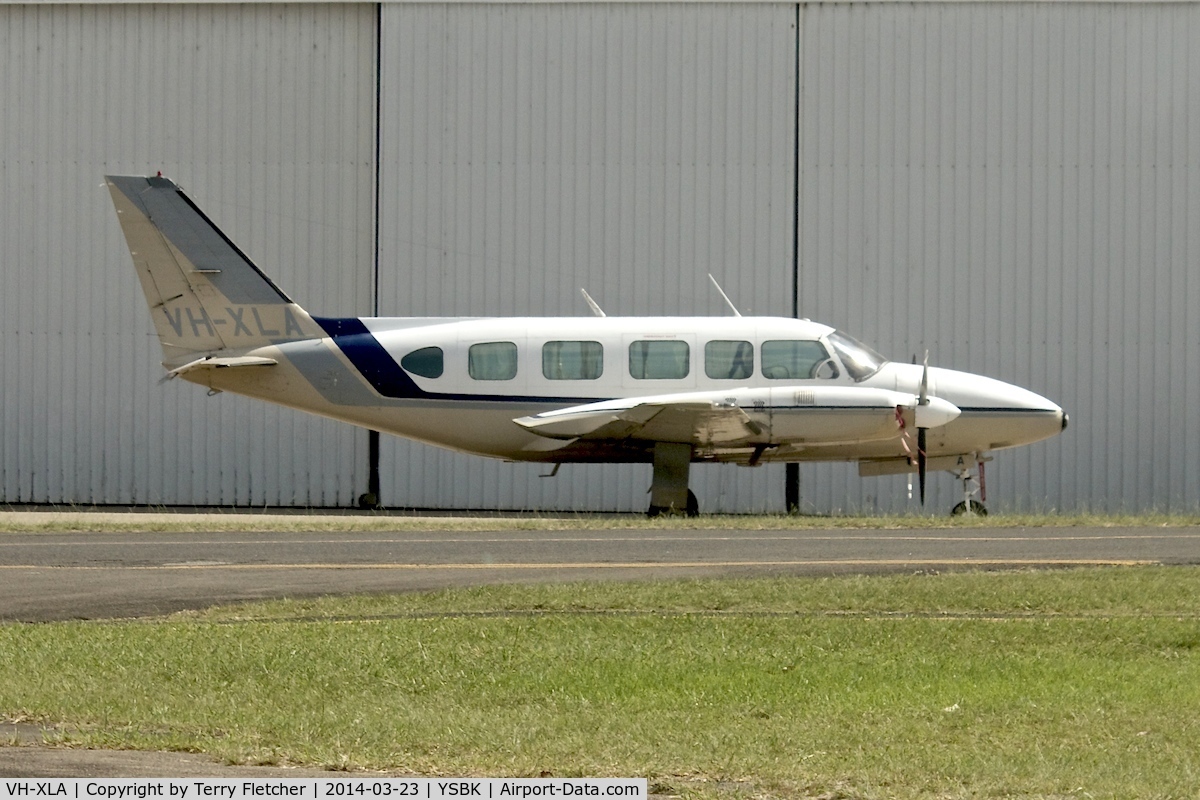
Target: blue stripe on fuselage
369,357
389,379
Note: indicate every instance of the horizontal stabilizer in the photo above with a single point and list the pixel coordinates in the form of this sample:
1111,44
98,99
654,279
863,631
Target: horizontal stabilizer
217,362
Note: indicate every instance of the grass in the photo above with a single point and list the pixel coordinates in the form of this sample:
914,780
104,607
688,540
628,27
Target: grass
1028,684
223,520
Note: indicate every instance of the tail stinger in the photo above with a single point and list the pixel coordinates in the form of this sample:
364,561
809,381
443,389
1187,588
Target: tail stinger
205,295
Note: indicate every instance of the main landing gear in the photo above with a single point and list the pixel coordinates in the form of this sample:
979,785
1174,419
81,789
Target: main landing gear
669,492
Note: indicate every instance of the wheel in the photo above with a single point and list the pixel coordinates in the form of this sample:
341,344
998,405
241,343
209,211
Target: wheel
976,508
368,501
692,509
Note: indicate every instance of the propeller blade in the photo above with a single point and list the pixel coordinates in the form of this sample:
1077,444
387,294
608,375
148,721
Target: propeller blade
924,397
922,461
922,458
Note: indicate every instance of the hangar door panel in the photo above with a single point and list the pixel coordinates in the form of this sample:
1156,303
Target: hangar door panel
265,115
631,149
1014,187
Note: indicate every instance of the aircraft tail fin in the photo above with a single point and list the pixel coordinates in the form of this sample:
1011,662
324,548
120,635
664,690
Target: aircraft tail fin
205,295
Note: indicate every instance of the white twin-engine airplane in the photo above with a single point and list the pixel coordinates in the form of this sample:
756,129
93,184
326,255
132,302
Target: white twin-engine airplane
666,390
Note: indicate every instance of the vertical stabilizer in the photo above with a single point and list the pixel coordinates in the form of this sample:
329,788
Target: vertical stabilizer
205,295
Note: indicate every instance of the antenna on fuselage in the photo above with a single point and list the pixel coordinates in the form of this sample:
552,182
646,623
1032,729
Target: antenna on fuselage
596,309
728,302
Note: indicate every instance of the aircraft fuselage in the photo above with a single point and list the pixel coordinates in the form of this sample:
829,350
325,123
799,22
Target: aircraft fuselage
479,375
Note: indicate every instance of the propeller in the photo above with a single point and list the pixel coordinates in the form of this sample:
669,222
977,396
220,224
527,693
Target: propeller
922,432
930,412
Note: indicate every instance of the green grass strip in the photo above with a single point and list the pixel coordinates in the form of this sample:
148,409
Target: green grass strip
1031,684
245,520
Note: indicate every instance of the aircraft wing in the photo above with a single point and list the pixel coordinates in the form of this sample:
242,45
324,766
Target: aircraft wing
668,419
737,418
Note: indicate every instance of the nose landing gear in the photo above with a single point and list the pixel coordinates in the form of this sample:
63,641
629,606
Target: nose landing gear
969,504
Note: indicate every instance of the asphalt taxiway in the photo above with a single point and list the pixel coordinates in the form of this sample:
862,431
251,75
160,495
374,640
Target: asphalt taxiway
83,575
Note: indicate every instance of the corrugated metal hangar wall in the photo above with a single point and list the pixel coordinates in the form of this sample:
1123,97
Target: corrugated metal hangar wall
630,149
1014,186
266,114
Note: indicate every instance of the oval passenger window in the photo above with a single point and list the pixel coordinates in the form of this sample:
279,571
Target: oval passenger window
427,362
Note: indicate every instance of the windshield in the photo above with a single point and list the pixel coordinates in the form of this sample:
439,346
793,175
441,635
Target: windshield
860,361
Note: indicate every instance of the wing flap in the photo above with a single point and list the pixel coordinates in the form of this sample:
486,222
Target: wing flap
593,421
679,418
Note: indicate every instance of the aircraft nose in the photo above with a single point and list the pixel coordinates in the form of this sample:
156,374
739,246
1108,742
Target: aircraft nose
1006,414
975,392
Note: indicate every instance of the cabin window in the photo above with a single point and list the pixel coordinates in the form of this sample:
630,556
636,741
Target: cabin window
492,361
729,360
792,359
658,359
572,361
427,362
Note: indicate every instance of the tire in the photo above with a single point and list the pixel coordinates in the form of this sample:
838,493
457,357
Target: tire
976,508
692,510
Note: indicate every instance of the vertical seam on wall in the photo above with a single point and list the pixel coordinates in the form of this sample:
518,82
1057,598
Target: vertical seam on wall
791,472
796,172
378,152
373,481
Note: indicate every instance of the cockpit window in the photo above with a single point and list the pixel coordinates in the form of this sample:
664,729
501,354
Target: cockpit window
426,362
792,359
860,360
